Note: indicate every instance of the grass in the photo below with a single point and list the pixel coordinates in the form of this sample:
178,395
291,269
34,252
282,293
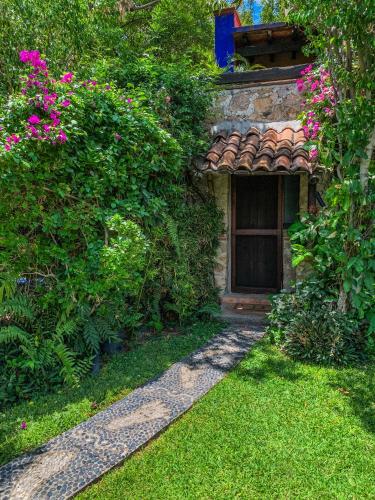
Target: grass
49,415
273,428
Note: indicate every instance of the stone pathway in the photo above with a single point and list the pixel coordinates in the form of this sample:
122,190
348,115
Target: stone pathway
76,458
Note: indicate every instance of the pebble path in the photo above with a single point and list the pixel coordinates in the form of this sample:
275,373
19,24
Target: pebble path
71,461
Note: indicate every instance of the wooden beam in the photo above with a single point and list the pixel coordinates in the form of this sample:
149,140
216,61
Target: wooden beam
269,48
262,75
260,27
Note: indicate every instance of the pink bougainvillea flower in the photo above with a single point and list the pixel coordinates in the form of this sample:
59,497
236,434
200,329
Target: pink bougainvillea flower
23,425
24,56
108,87
300,85
13,138
118,137
66,103
67,78
61,137
313,154
46,128
50,98
33,120
7,147
306,130
129,100
314,85
33,130
55,122
54,114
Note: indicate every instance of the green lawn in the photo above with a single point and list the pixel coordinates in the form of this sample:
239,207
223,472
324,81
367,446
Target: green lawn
273,428
49,415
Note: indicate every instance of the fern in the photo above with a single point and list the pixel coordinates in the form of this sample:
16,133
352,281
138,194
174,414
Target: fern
13,334
91,335
7,288
67,328
67,358
20,308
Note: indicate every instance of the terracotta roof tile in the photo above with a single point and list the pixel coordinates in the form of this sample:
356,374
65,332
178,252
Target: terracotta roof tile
269,151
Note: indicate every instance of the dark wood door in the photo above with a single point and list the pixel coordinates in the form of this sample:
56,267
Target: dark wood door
256,233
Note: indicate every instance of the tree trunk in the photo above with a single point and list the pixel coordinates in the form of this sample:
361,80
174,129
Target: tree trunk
365,162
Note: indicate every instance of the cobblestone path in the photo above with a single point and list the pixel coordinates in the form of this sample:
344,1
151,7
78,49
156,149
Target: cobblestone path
76,458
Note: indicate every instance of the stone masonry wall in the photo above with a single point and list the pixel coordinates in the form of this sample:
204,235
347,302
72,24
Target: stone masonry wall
261,106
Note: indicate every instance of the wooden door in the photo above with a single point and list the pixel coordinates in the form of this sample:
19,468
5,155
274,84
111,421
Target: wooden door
256,233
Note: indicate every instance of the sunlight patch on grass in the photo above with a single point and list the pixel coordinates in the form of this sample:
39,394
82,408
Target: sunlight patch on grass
272,428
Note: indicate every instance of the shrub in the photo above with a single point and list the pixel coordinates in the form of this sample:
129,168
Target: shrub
99,225
307,326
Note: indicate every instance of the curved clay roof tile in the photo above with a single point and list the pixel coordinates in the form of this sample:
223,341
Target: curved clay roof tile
269,151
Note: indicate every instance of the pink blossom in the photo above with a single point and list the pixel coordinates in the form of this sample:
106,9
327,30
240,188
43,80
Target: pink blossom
49,99
55,122
23,425
15,138
315,85
313,153
118,137
300,85
61,137
24,56
108,87
54,114
7,147
67,78
33,119
306,130
129,100
66,103
33,130
46,128
33,57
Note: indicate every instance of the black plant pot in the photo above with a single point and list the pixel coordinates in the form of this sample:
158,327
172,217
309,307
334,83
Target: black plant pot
96,364
111,347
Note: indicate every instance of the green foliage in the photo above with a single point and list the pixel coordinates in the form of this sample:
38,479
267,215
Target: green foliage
340,247
307,326
338,243
103,227
75,33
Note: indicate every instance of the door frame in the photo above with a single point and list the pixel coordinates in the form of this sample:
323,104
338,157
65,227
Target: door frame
278,232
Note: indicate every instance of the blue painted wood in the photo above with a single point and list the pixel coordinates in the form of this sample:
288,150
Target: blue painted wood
224,40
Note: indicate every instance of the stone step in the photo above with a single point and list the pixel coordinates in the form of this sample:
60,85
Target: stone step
246,302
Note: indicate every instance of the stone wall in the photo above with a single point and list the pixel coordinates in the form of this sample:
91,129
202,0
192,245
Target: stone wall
220,187
258,105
